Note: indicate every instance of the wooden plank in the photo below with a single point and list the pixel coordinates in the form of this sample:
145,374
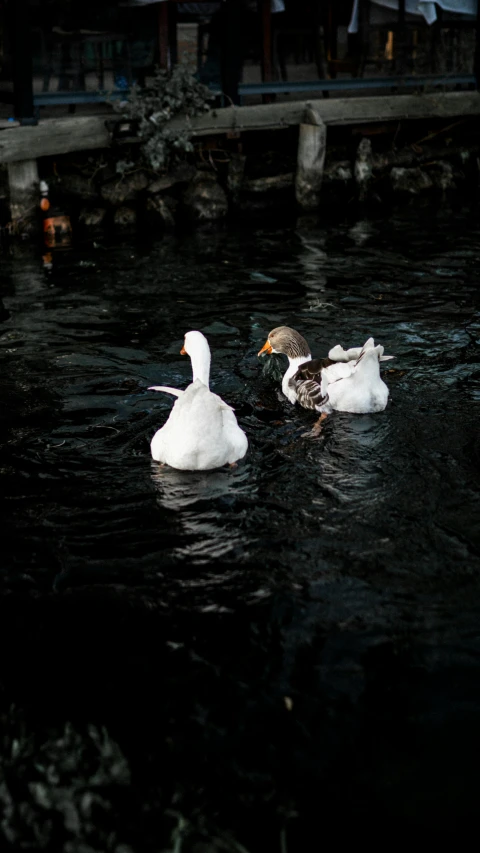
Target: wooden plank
81,133
54,136
258,117
337,111
263,185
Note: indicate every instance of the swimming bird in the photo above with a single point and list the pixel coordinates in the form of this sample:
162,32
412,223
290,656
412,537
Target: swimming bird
347,381
201,432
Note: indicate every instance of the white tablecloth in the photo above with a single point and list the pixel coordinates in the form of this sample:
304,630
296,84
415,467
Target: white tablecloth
419,7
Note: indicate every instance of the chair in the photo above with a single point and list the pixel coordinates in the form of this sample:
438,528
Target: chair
299,31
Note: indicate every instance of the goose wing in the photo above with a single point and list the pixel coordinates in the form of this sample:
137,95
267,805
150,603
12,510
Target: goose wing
307,382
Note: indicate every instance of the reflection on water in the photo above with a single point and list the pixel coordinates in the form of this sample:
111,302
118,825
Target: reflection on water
329,570
180,489
203,497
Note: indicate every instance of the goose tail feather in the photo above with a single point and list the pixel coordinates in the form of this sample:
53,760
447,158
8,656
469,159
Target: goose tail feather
175,391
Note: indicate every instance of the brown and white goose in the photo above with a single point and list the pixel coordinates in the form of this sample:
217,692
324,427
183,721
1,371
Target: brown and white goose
346,381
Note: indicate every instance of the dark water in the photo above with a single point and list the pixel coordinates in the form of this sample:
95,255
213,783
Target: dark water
293,641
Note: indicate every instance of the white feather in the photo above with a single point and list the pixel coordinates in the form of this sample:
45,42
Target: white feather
352,384
356,387
175,391
201,432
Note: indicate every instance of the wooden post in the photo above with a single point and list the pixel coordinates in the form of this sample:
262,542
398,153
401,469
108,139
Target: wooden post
266,46
402,39
266,40
163,35
173,34
476,60
232,48
363,169
236,172
23,183
21,47
312,143
331,39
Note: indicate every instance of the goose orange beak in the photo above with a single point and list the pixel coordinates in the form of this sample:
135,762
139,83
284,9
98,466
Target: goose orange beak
267,348
183,351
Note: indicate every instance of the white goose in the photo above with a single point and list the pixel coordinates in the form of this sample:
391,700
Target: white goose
201,432
346,381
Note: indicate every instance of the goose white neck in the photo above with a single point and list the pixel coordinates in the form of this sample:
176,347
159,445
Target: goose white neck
199,352
294,363
201,367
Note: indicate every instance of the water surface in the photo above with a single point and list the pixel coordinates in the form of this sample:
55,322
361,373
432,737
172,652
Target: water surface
339,571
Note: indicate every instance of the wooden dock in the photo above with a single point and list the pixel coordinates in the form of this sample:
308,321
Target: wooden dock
80,133
21,146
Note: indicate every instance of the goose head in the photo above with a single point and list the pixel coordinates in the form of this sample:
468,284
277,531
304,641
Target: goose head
285,340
